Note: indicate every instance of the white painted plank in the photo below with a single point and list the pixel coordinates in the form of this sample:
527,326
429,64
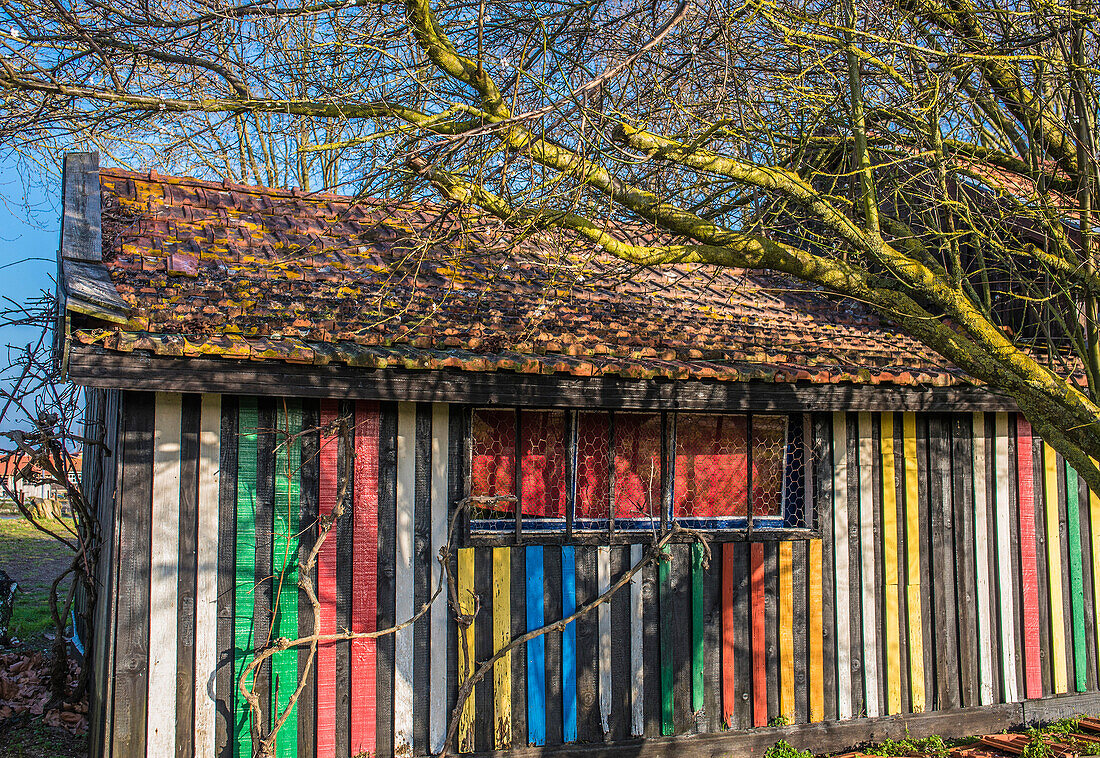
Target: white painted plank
403,640
840,565
1005,580
867,565
637,682
437,682
981,550
206,577
164,575
603,573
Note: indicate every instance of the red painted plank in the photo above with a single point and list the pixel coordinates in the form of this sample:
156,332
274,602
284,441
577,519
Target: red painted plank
729,686
1025,471
759,673
326,588
364,579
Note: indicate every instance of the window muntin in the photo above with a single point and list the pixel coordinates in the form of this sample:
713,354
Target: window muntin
718,463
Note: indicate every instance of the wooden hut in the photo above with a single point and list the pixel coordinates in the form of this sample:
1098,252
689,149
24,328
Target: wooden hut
889,550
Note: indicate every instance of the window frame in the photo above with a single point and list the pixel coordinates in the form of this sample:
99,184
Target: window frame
520,529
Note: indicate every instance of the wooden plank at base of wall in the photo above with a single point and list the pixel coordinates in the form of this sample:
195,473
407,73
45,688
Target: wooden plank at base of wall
980,457
621,643
1005,585
800,621
892,604
914,594
484,701
966,592
552,611
386,582
840,569
206,580
519,658
823,496
442,634
307,540
1076,580
224,743
855,571
1088,585
536,648
1053,543
410,560
502,633
362,730
1029,579
868,565
187,568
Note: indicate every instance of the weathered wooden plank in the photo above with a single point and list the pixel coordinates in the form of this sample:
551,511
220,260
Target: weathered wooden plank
1005,583
206,575
518,663
913,576
823,499
552,594
603,575
945,646
698,630
569,644
962,490
680,570
786,632
855,568
841,569
362,730
800,630
287,509
742,637
637,668
467,603
227,566
307,540
327,493
1029,578
711,718
729,681
160,736
1053,537
187,568
867,540
263,581
619,726
892,609
132,612
928,577
1046,656
589,727
442,638
485,691
426,567
984,616
536,649
502,633
345,552
1094,538
757,636
1076,581
1088,588
245,570
668,637
386,581
771,628
407,568
901,563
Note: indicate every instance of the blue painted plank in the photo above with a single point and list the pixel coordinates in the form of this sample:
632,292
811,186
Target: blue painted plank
569,644
536,651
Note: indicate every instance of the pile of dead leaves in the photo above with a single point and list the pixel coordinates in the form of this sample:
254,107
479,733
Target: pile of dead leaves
25,692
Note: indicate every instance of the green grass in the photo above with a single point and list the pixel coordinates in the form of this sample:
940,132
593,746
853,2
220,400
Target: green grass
33,739
34,560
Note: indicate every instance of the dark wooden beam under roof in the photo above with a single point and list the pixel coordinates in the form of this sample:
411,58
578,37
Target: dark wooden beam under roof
96,367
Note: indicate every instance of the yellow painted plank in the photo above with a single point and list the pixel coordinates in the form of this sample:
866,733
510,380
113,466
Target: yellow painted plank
890,559
912,566
1054,571
502,633
466,605
786,630
1094,525
817,640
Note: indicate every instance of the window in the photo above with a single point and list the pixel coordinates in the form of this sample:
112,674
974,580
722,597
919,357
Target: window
590,471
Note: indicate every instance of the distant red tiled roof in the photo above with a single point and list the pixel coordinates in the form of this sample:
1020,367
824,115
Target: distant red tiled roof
214,269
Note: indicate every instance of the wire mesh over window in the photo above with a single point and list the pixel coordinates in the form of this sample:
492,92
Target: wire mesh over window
596,470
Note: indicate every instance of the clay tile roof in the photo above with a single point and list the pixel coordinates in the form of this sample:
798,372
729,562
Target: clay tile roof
216,269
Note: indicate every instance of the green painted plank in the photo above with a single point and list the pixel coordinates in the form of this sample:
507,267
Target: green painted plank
668,638
245,571
284,664
696,627
1076,588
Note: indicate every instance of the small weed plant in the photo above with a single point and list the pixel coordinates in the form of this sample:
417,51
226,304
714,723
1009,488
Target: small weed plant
783,749
932,747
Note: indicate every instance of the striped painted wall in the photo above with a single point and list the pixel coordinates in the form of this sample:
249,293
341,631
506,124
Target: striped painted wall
954,568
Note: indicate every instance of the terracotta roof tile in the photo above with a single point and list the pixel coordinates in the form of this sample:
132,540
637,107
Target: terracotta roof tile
242,272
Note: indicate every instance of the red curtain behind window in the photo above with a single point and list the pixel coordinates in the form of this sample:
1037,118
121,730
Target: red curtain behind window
593,481
711,466
494,464
637,465
542,463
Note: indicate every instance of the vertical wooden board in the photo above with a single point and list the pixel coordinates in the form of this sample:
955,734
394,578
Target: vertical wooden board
867,540
1076,581
413,424
467,603
855,572
265,587
284,605
966,597
786,632
682,716
518,663
1094,539
945,645
1087,584
1029,571
879,563
502,635
327,492
925,473
840,568
637,668
901,564
823,500
815,625
651,650
569,645
224,722
345,552
990,557
386,585
603,584
619,726
307,540
1068,596
1053,542
892,609
1006,578
914,596
458,487
425,567
800,630
442,639
132,611
742,636
1042,574
771,627
729,681
711,720
588,647
245,573
757,636
536,649
668,632
1015,558
187,567
484,691
362,730
552,598
160,734
698,631
983,606
206,577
